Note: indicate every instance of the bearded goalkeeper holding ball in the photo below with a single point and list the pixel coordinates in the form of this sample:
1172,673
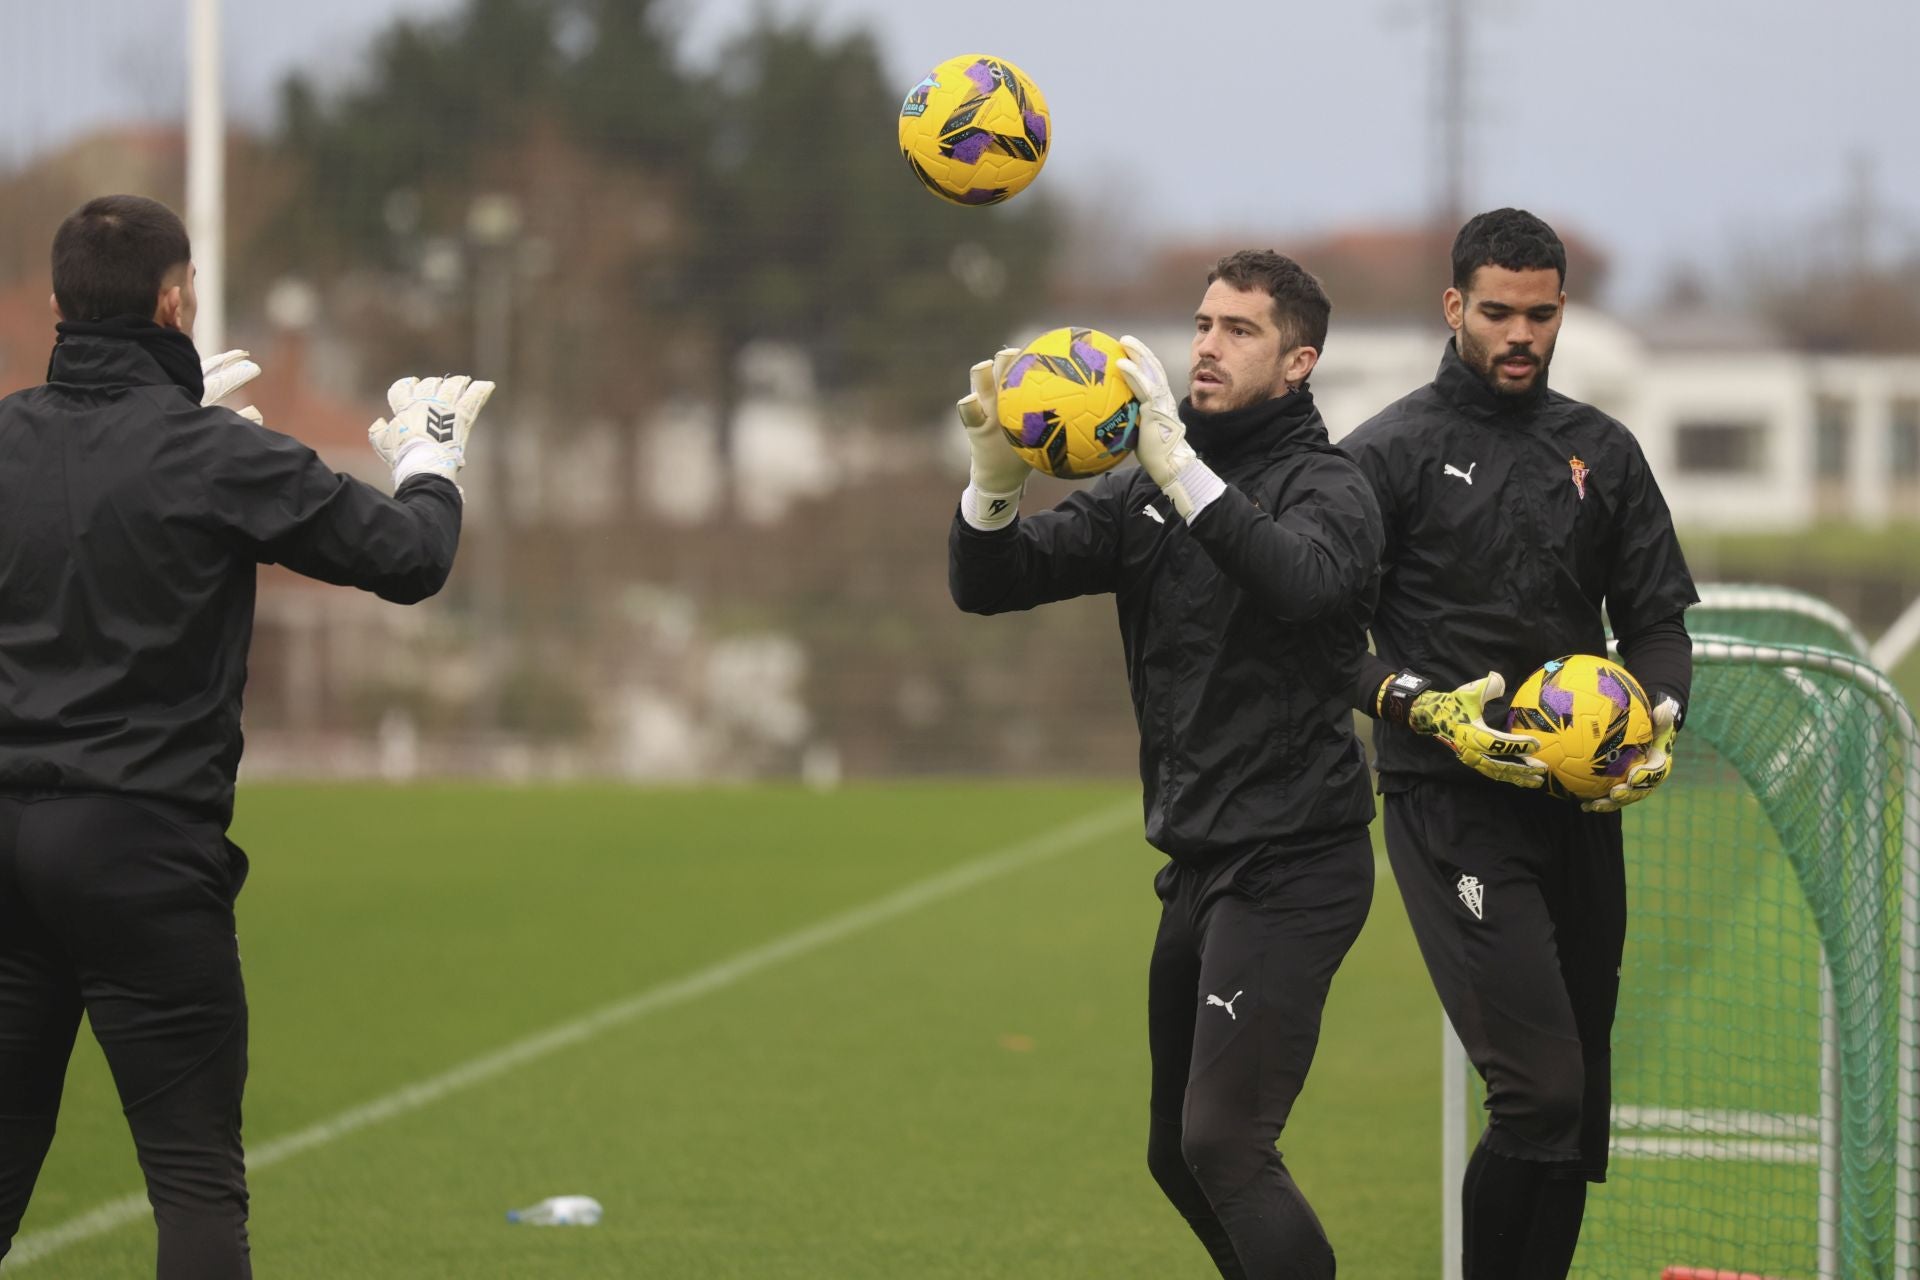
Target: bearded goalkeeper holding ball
1515,515
1242,556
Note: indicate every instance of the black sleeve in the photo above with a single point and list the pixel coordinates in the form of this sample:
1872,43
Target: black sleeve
281,504
1361,446
1647,578
1071,550
1307,560
1660,655
1366,689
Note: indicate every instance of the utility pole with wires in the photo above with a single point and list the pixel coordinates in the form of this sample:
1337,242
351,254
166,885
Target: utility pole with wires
1451,112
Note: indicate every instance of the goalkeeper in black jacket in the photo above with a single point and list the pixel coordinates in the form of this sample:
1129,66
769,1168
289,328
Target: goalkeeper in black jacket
1241,555
1514,516
133,514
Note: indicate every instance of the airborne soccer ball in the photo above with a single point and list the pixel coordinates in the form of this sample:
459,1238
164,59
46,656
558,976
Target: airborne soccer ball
975,131
1592,719
1065,408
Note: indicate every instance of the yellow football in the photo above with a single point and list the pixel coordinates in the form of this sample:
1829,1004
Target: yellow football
1592,719
975,130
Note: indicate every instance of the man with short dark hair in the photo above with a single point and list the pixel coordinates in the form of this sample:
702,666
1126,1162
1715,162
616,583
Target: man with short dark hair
132,519
1514,517
1242,556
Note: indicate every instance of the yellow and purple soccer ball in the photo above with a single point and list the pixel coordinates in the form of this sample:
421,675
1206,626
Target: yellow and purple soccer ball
1592,719
1065,407
975,130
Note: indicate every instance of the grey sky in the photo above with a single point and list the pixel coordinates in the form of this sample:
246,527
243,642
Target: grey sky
1670,132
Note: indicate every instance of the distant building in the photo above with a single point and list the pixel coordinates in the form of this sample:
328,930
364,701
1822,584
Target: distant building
1742,433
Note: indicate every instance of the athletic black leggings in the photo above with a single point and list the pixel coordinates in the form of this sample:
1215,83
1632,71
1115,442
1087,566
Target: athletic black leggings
124,909
1240,972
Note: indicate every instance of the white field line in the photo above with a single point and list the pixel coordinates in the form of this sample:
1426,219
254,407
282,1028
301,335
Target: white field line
1066,838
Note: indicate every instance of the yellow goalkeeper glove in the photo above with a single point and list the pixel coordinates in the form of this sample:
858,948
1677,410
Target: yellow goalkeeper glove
1458,719
1653,767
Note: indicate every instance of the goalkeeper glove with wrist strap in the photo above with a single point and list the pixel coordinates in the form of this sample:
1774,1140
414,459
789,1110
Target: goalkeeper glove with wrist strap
997,475
1458,719
427,434
1161,444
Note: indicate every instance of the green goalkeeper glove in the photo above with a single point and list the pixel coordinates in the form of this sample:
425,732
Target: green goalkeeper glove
1653,767
1459,720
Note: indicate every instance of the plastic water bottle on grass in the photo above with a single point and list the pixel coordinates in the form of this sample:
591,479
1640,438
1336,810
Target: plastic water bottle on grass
559,1211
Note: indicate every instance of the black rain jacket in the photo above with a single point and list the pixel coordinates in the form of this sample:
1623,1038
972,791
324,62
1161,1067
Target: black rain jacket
131,522
1243,633
1511,522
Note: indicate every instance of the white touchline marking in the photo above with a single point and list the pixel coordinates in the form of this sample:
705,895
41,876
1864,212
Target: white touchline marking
103,1218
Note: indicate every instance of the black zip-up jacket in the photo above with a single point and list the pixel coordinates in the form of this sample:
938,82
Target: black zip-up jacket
131,522
1511,522
1243,633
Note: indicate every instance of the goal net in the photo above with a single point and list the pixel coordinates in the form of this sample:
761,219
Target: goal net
1764,1056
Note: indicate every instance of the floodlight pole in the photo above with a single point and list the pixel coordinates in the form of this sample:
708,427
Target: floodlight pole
207,172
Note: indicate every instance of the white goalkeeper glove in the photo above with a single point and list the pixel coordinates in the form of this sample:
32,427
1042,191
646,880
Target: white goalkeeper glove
997,475
427,434
1653,768
1162,441
225,374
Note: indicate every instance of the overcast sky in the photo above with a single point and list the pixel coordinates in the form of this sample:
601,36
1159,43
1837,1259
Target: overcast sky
1670,131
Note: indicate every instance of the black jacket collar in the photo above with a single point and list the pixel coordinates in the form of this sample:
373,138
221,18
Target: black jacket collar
125,351
1468,392
1257,431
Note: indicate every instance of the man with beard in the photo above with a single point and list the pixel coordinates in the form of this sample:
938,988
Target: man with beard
1242,555
1514,516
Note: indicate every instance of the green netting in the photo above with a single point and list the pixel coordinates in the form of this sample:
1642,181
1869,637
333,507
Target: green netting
1773,615
1764,1061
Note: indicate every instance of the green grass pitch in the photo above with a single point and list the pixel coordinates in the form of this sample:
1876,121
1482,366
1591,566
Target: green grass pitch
956,1091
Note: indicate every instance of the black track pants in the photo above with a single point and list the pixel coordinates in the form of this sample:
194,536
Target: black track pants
1239,976
1518,902
124,909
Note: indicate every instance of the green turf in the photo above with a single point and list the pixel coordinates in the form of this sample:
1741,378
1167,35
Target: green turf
959,1091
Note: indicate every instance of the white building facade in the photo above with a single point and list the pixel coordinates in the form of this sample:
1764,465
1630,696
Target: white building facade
1744,437
1750,438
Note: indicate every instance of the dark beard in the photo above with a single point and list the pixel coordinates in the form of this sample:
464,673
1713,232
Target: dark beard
1483,359
1234,396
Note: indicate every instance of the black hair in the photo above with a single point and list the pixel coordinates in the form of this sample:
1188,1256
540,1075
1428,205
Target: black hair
111,255
1510,238
1300,304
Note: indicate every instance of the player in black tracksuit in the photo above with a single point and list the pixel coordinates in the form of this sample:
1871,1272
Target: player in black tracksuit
131,523
1242,560
1514,516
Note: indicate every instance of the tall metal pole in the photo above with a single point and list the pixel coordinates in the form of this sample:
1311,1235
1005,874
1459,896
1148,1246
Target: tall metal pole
207,172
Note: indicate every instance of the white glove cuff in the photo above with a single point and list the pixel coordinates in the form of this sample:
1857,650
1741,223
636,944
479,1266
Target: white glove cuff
425,457
989,511
1194,488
